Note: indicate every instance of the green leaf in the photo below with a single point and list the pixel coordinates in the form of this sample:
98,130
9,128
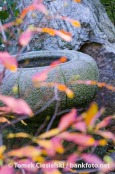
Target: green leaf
4,15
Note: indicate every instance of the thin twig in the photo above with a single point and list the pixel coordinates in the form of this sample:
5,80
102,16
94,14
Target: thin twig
41,127
3,32
1,138
54,116
56,108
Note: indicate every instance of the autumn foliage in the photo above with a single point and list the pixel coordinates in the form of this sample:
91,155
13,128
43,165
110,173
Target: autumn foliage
75,131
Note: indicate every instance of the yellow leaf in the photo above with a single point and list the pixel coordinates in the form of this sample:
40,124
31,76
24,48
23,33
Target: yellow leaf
19,135
45,143
69,93
102,142
75,23
3,120
19,21
61,87
12,68
39,159
50,133
90,114
2,149
56,172
23,122
15,89
27,151
77,1
91,141
50,31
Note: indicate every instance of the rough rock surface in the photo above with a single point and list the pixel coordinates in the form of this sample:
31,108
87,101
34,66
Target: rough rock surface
96,37
95,24
78,66
105,58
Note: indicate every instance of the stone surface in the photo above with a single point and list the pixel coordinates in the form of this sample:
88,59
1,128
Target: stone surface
95,24
78,66
105,58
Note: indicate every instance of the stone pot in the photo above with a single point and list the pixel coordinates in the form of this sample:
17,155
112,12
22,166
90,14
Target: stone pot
78,66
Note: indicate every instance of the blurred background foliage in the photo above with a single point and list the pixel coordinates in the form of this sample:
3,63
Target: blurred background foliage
110,8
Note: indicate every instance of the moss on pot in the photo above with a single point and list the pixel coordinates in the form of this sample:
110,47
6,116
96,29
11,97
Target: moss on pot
78,64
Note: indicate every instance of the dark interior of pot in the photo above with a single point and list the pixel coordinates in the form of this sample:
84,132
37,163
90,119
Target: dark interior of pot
37,61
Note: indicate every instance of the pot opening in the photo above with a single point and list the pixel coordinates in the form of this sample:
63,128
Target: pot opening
37,61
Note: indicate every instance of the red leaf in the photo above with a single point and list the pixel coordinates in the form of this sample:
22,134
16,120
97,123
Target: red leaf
90,158
67,120
81,126
57,144
106,134
41,76
72,21
7,25
40,6
72,158
78,138
6,170
36,5
64,35
25,37
51,146
26,10
18,106
8,61
57,62
104,122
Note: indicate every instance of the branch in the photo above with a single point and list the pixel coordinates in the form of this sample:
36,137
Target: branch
1,138
56,109
3,32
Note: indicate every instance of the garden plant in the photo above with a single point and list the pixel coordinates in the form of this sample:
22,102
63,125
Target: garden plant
67,147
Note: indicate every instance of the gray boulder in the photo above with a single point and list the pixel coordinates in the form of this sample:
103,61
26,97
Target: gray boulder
95,24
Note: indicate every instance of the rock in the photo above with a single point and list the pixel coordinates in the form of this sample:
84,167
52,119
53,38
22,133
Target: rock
95,24
96,37
78,66
105,58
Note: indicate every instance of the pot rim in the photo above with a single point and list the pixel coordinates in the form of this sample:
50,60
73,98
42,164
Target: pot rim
70,54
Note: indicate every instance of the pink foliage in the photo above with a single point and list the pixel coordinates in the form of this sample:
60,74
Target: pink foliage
8,61
6,170
90,158
18,106
67,120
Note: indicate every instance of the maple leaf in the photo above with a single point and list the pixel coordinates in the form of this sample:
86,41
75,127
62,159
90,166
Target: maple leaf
18,106
67,120
8,61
